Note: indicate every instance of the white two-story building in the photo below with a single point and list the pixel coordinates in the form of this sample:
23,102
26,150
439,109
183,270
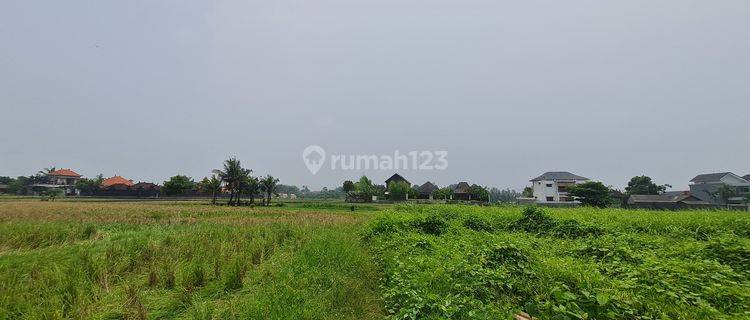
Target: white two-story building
553,186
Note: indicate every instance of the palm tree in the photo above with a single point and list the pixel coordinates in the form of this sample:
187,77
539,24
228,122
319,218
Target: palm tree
41,175
249,186
233,176
269,184
213,184
244,181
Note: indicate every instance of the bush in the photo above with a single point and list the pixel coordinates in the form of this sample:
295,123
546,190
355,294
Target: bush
477,224
433,225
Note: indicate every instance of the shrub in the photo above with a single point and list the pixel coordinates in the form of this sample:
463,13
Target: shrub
433,225
477,224
729,251
534,220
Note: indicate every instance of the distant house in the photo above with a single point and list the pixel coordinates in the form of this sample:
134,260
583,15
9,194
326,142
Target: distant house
3,188
553,186
395,178
117,183
145,186
425,191
706,186
64,179
676,200
461,191
142,189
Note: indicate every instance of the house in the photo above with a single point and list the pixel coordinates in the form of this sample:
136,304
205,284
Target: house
461,191
425,191
553,186
64,179
675,200
3,188
116,183
706,187
140,189
145,186
395,178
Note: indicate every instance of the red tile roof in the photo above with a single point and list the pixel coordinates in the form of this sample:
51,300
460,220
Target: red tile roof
64,173
116,180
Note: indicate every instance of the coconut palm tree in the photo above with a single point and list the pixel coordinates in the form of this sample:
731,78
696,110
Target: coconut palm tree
268,185
249,185
244,181
214,186
233,177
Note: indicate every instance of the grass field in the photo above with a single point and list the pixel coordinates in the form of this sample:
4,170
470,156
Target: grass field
321,260
184,260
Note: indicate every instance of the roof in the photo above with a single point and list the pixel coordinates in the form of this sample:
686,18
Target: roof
116,180
64,173
427,188
3,186
145,185
669,197
396,177
709,177
462,187
746,177
559,175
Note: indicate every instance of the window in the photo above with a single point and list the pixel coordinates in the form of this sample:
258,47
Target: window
550,198
549,185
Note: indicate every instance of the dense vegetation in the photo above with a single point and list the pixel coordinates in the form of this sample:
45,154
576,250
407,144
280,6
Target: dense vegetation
468,262
333,260
163,260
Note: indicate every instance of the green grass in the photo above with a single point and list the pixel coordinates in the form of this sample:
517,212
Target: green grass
321,260
469,262
188,261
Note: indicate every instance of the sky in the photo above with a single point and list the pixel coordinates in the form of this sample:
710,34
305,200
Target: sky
510,89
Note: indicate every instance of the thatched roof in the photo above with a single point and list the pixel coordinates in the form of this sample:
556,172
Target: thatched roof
427,188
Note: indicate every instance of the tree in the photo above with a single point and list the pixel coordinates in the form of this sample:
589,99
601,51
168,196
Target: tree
644,185
442,193
51,194
248,185
289,189
504,196
234,178
16,186
89,186
178,185
210,186
397,191
268,185
724,192
364,189
528,192
478,193
348,187
413,192
592,193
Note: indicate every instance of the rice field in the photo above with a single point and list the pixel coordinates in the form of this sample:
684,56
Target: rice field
328,260
77,260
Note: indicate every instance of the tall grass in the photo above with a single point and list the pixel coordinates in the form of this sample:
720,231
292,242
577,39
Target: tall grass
137,261
470,262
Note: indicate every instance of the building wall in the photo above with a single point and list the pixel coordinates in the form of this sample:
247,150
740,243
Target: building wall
705,191
544,189
548,188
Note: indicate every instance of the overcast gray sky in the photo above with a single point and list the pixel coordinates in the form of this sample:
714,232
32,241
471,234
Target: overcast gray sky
604,89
